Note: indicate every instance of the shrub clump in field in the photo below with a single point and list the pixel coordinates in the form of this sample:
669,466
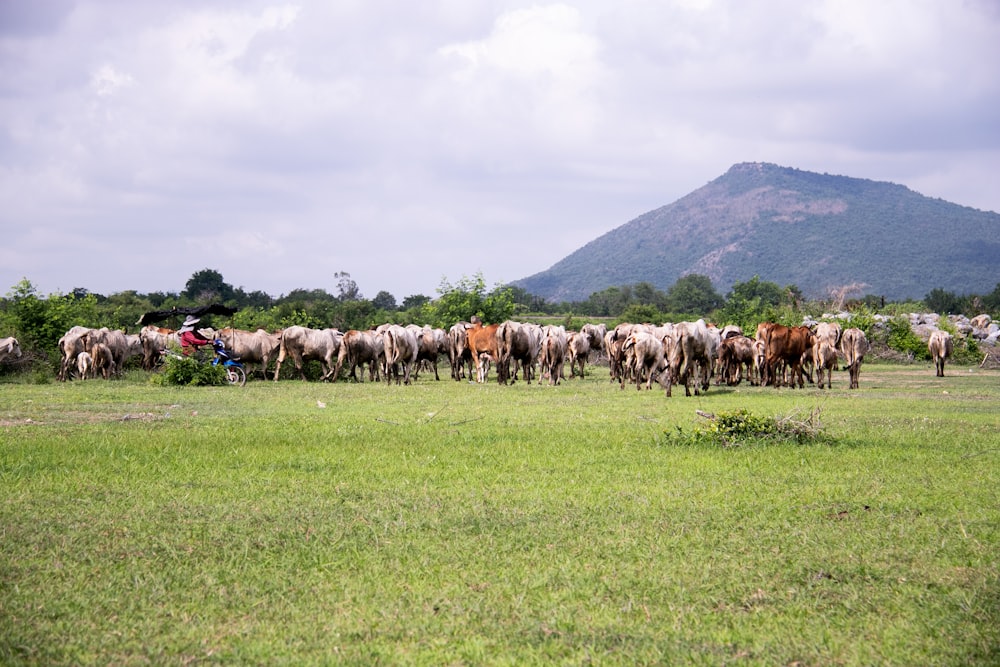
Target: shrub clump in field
742,427
188,371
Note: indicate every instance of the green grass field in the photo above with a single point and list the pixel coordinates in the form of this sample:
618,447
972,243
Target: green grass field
450,523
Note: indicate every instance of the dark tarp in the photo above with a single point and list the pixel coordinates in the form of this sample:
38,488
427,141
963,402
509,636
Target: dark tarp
155,316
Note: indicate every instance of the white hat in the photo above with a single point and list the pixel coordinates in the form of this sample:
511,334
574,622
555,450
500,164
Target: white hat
191,319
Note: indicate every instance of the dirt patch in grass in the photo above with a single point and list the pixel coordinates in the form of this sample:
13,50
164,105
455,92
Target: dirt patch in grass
76,417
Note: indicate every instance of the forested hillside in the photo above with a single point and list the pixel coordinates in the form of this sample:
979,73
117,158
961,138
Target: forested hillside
792,227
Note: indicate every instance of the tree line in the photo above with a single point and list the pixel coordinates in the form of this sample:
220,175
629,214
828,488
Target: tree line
39,321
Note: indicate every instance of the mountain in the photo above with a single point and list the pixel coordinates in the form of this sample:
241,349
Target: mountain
791,227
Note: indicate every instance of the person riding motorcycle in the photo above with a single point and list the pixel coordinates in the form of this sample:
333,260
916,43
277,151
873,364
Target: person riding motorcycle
190,337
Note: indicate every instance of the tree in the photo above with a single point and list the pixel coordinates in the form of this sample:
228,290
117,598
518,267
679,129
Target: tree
384,301
206,286
645,294
40,323
415,301
940,301
752,302
469,297
839,294
347,289
609,302
991,302
693,294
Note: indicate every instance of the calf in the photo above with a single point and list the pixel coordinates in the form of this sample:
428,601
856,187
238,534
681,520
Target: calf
84,365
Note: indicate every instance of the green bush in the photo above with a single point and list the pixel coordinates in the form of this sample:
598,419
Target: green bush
902,339
189,371
742,427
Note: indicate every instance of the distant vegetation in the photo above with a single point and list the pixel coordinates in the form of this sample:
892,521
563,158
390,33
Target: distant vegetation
39,321
815,231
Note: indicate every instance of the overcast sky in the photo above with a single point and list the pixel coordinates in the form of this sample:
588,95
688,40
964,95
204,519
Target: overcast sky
405,143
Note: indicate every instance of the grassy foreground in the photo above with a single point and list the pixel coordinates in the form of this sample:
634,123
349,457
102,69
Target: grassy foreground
449,523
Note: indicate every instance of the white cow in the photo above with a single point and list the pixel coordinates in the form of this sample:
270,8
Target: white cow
305,344
84,365
854,346
9,349
401,349
940,346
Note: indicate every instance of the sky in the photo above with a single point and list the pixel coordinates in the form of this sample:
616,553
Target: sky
413,145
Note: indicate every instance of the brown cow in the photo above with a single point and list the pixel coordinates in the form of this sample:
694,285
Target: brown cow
578,348
103,360
358,348
483,346
785,345
853,345
736,353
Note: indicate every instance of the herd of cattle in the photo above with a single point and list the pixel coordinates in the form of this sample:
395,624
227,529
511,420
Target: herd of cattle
686,353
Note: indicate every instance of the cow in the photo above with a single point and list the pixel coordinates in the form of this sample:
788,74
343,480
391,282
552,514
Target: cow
458,351
829,332
578,349
824,356
84,365
736,353
9,349
401,349
133,346
154,340
940,346
305,344
252,347
71,344
595,336
528,362
553,353
730,330
517,344
614,340
981,321
646,353
117,346
483,347
823,332
785,346
431,344
103,358
853,346
358,348
693,349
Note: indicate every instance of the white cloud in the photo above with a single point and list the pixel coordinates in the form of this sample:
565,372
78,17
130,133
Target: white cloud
403,143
